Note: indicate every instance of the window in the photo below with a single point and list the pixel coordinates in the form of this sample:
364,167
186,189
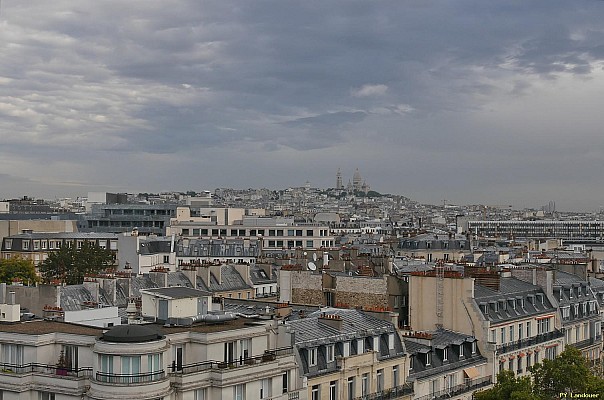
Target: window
131,365
314,393
428,359
8,244
154,362
365,385
285,381
360,346
36,245
511,333
239,392
528,329
445,354
44,244
166,259
106,363
395,376
391,341
461,350
520,331
12,354
265,388
70,353
333,390
502,335
473,347
26,245
350,388
380,380
309,243
200,394
330,353
312,357
411,359
47,396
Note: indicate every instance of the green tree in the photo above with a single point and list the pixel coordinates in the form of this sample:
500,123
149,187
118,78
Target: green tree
508,387
17,268
567,373
69,265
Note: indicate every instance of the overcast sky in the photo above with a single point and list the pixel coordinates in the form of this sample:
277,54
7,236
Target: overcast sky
473,101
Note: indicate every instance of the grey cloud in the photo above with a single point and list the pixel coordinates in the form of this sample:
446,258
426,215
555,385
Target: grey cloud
149,78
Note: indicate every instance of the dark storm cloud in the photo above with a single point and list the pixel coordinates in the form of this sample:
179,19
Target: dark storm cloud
187,79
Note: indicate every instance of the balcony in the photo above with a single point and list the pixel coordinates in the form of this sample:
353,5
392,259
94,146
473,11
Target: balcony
520,344
268,356
393,393
458,390
44,369
586,343
128,379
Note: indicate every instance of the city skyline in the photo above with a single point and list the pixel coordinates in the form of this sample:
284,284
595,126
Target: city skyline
465,101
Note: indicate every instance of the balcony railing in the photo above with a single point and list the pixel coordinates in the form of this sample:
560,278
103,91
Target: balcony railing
519,344
387,394
459,389
268,356
584,343
126,379
45,369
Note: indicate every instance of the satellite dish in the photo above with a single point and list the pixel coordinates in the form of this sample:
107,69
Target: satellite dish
305,253
312,266
314,256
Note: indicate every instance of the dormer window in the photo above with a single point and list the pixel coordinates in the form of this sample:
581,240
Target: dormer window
346,349
473,347
312,357
391,341
360,346
461,350
330,353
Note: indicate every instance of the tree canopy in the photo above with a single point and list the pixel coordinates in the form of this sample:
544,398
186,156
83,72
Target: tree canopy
69,264
568,373
17,270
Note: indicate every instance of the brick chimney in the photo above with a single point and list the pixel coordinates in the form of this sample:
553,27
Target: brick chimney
335,321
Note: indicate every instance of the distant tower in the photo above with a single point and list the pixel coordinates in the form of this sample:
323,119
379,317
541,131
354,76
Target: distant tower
339,184
357,182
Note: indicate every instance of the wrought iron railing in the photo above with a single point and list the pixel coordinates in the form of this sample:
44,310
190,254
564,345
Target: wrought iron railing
458,389
269,355
30,368
519,344
126,379
387,394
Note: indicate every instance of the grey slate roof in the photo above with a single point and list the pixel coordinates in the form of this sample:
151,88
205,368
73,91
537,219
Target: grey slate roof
310,330
514,299
178,292
259,276
230,280
421,348
179,279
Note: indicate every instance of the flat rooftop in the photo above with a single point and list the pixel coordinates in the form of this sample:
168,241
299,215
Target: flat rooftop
43,327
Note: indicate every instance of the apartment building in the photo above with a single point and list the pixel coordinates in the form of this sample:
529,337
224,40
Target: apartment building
274,233
516,323
433,247
592,231
188,359
578,302
36,246
445,365
348,354
118,218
